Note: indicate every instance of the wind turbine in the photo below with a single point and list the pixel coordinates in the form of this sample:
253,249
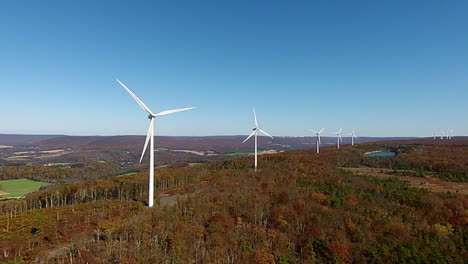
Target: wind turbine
338,138
317,134
449,133
254,133
442,134
150,137
353,136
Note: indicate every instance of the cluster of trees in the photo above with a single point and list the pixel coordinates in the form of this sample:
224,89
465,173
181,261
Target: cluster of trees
298,208
124,188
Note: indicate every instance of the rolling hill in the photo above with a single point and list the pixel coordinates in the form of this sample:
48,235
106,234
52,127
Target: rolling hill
298,208
220,144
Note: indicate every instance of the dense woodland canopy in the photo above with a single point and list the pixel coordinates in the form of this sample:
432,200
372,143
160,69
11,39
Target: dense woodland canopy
298,208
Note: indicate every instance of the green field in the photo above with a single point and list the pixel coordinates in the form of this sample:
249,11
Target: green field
15,159
194,164
19,188
161,149
235,154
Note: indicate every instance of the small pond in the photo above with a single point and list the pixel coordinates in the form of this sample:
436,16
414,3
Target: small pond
381,154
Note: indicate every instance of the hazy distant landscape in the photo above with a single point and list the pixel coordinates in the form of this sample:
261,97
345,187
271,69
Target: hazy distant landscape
122,153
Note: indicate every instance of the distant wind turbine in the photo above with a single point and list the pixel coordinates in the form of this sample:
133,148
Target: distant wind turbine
449,133
339,139
317,134
254,133
150,137
353,137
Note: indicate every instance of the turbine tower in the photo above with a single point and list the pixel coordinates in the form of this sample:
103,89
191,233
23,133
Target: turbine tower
254,133
338,138
317,134
150,137
353,136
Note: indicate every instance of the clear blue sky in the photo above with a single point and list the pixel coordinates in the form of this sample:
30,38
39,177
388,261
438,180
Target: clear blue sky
388,68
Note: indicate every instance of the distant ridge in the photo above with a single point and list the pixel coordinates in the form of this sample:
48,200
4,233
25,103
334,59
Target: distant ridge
220,144
18,139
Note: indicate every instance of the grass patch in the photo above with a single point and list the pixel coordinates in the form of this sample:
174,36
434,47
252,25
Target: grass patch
236,154
15,159
455,176
59,164
410,173
162,149
194,164
19,188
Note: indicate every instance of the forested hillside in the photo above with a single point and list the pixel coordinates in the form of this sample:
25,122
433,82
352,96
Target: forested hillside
298,208
447,159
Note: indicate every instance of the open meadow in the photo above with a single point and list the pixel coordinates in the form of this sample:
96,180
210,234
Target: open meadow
19,188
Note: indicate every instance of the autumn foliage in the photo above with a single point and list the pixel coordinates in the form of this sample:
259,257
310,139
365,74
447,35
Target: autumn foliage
298,208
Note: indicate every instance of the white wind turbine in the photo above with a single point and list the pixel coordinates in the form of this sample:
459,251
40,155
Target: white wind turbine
449,134
339,139
317,134
254,133
150,137
353,136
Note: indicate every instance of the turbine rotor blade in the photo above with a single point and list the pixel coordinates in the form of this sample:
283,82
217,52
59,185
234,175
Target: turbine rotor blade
140,103
321,130
253,133
168,112
148,137
265,133
255,117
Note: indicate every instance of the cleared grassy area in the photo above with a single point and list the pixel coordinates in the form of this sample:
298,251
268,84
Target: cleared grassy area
19,188
161,149
15,159
235,154
194,164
